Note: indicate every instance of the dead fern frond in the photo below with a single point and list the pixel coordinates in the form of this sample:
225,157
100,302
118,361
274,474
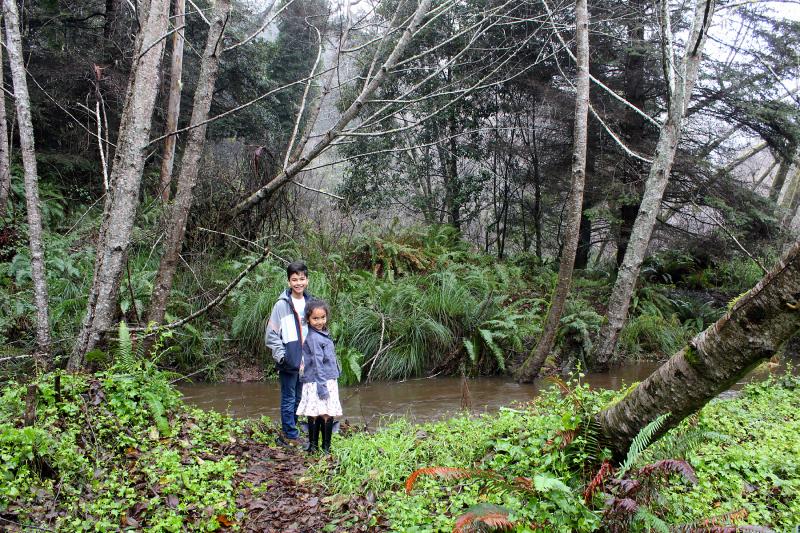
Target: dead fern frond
490,516
725,529
446,472
560,383
721,524
567,436
622,507
670,466
597,481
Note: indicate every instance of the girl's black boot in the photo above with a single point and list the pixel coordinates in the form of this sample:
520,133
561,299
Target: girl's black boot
314,424
327,431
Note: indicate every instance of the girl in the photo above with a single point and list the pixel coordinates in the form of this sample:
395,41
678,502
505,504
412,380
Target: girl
318,373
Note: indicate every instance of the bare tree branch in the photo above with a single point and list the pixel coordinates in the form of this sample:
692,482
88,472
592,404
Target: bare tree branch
151,332
263,26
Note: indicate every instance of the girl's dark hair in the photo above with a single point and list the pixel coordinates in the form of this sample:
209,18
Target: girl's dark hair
316,303
296,267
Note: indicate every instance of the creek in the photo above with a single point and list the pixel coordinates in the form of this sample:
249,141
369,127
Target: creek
419,400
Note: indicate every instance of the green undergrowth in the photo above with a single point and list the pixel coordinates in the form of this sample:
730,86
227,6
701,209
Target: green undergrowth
744,451
119,449
113,451
405,302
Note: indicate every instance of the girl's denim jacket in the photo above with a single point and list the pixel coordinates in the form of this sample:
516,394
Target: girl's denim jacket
319,360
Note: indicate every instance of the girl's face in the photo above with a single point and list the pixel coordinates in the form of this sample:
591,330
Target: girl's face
318,318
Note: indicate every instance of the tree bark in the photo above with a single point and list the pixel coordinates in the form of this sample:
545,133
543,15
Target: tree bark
122,199
347,116
752,331
633,126
23,107
788,186
112,12
187,177
174,101
680,91
584,242
5,166
780,178
530,368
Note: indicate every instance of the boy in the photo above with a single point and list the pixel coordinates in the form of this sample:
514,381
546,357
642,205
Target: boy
286,330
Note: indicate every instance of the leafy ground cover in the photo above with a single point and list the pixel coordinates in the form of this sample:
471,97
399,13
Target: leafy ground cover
120,450
736,463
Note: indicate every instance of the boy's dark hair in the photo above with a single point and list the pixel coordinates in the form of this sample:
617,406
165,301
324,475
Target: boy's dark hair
296,267
314,304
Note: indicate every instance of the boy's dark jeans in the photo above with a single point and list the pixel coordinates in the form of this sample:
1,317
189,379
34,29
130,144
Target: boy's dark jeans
291,391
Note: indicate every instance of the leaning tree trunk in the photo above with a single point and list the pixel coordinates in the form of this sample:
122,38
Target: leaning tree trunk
126,175
5,167
752,331
174,101
780,177
530,368
23,107
187,178
680,87
302,161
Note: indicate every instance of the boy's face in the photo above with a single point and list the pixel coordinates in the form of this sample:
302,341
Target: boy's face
298,283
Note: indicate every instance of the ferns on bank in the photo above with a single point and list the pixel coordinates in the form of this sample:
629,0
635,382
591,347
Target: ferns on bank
641,442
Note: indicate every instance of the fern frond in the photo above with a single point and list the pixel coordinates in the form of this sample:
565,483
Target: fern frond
597,481
558,382
494,517
472,351
125,357
650,521
591,430
641,442
446,472
670,466
622,507
724,529
488,338
720,523
567,436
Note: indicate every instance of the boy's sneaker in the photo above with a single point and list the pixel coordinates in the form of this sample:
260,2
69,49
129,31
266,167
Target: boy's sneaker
287,442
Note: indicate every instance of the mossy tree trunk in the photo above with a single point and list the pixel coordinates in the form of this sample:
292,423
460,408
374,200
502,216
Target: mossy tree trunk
780,177
679,85
187,177
122,199
22,102
5,167
753,330
174,100
530,368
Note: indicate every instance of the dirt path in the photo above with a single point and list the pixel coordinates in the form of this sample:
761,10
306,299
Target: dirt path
277,495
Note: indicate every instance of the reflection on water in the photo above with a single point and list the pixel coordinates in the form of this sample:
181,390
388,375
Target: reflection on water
418,399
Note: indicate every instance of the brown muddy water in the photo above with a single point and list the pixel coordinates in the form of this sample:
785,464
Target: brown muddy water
420,400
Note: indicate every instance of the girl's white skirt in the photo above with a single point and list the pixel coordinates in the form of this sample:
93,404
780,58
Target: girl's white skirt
313,405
